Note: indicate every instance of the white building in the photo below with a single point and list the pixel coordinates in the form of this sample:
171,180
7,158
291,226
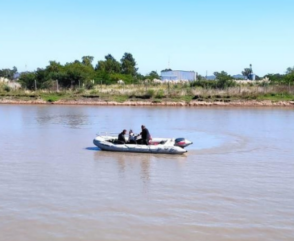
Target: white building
178,75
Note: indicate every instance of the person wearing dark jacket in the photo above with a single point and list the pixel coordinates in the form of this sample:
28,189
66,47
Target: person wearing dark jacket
121,137
145,135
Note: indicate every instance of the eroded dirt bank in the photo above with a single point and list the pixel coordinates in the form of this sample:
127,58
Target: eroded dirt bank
247,103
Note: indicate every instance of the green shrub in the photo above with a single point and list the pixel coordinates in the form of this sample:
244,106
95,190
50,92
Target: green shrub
50,97
120,98
150,92
80,90
7,88
48,84
94,92
189,91
213,84
160,94
204,84
89,84
225,83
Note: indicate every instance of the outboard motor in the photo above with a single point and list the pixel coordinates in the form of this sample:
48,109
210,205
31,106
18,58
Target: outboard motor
182,142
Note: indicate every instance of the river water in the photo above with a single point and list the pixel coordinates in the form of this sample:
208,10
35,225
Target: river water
235,183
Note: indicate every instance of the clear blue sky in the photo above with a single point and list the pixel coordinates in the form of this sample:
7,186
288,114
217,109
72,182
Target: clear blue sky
207,35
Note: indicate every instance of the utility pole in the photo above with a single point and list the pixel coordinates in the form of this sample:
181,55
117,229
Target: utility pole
35,85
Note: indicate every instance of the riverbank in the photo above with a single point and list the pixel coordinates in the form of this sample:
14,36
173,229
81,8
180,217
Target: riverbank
134,95
193,103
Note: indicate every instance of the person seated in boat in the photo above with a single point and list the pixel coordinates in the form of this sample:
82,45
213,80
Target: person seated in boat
132,137
145,136
121,137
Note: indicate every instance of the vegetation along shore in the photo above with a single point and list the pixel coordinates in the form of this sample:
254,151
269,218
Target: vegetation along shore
111,82
156,95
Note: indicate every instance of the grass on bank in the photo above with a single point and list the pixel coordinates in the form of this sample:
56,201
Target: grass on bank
156,94
276,97
50,97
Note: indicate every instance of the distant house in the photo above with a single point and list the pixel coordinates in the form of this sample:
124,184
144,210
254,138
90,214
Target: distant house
16,76
175,75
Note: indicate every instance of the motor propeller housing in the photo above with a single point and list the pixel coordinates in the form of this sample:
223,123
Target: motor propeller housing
182,142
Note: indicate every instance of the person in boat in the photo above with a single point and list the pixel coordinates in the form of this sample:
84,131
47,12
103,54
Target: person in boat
145,136
121,137
132,137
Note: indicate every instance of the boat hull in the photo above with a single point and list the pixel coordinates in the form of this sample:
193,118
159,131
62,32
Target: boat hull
157,149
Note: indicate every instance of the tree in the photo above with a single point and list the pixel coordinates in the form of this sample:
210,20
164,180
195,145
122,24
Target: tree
27,80
54,71
77,74
152,75
222,75
286,78
290,70
87,60
128,64
14,69
8,73
289,78
199,77
275,78
54,66
224,80
247,72
166,70
110,65
257,77
139,77
41,76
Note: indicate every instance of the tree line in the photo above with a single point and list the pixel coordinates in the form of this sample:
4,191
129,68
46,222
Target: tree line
83,73
8,73
223,79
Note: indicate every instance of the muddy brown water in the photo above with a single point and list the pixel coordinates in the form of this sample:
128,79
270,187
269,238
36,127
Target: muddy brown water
235,183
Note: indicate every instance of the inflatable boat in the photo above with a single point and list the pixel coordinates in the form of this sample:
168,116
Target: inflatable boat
156,145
